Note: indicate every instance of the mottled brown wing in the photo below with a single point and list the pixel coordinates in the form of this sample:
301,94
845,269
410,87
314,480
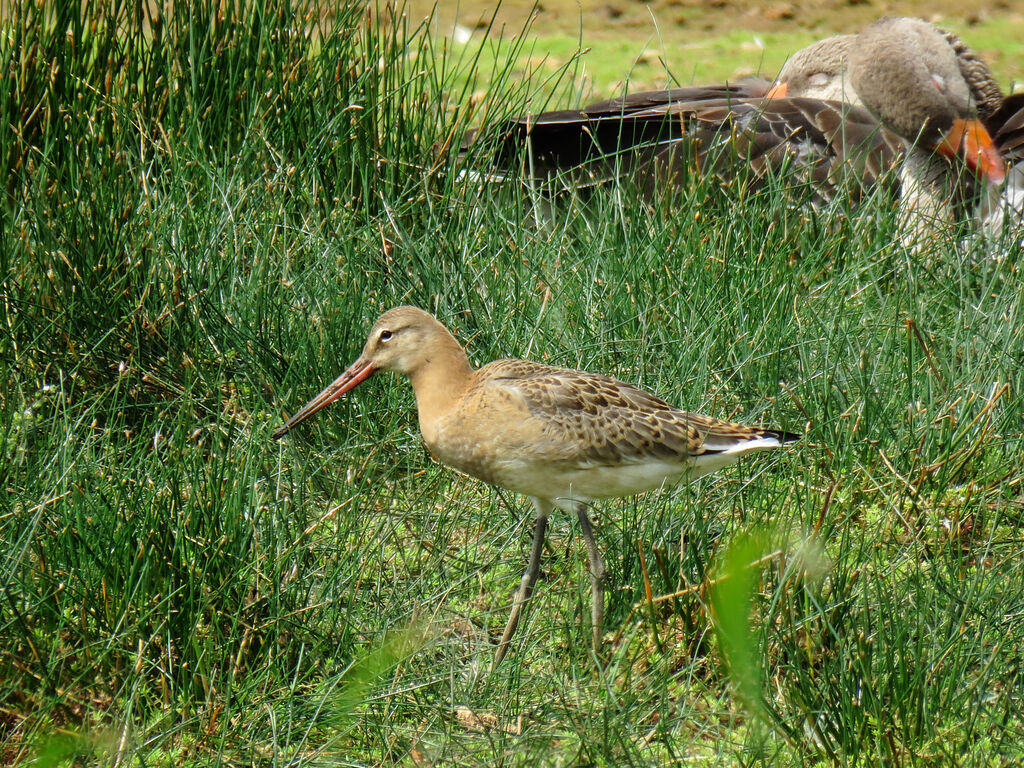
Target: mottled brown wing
607,422
861,147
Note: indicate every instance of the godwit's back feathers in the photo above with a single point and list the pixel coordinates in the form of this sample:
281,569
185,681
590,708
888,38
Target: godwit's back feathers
599,420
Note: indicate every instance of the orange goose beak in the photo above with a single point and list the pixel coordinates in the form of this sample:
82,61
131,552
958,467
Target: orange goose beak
969,140
355,375
777,91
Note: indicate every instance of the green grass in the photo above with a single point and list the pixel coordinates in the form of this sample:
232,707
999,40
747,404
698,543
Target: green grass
198,246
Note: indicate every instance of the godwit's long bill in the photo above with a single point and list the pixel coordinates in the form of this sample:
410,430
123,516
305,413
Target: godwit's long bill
562,437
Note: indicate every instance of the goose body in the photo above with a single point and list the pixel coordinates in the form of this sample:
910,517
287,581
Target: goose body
655,139
902,100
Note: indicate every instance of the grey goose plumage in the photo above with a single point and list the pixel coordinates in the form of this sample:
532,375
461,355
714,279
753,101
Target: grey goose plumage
656,137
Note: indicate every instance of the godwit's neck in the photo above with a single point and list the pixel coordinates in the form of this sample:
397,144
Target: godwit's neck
440,381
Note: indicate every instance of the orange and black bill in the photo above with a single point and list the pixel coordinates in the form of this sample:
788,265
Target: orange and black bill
356,374
969,140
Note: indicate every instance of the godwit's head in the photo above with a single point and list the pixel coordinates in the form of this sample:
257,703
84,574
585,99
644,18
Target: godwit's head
404,339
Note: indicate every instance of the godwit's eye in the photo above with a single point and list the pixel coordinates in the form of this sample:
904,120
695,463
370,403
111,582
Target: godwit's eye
385,335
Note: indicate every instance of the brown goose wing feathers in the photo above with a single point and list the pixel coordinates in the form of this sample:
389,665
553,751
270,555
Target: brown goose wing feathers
662,137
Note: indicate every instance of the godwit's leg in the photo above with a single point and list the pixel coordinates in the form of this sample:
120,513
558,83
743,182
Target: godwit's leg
529,579
596,576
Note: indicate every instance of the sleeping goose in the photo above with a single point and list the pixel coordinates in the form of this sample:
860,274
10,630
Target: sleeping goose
651,138
814,118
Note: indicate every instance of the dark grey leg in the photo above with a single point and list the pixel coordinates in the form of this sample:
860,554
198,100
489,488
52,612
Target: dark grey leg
596,576
529,579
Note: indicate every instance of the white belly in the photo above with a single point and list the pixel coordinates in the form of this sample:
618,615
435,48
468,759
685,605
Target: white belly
563,487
